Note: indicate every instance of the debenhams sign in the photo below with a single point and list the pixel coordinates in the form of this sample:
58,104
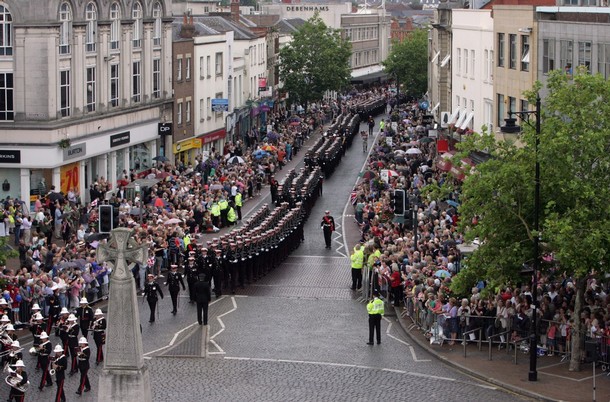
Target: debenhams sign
307,8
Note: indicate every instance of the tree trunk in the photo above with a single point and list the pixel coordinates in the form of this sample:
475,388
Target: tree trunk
577,330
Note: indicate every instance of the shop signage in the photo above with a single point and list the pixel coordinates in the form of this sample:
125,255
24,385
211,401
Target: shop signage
214,135
69,177
165,129
262,84
192,143
220,105
120,139
75,151
307,8
10,156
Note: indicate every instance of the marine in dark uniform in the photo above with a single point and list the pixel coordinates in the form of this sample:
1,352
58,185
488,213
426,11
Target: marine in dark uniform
203,294
73,330
59,365
84,354
99,334
45,349
150,292
191,271
85,315
174,280
328,226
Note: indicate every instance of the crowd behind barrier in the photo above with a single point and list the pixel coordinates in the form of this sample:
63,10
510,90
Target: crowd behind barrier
416,256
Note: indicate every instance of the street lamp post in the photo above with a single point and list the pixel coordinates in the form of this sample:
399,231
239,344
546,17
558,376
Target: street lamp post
511,127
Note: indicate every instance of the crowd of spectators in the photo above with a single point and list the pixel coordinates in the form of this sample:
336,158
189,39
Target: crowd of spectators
412,260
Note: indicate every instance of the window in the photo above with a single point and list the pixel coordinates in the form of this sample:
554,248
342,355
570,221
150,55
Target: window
512,104
603,59
208,66
218,114
566,55
584,55
548,55
114,85
458,65
90,89
187,73
179,113
65,29
6,97
90,30
136,15
179,68
501,111
485,65
6,36
466,63
157,14
64,93
201,109
188,111
501,46
115,25
136,89
208,106
525,105
201,68
512,51
491,66
156,78
218,68
472,63
525,53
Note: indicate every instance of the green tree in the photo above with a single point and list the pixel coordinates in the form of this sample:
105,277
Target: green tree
574,157
408,60
316,60
6,251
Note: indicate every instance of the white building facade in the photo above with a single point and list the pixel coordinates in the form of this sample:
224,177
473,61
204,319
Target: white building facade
472,57
84,85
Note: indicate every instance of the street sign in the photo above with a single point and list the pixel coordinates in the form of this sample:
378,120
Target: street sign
220,105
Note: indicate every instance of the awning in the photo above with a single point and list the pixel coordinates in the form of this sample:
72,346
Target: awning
467,121
454,116
463,114
368,78
435,57
191,143
213,136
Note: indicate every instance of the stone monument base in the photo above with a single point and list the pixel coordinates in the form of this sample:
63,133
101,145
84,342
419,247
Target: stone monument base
123,385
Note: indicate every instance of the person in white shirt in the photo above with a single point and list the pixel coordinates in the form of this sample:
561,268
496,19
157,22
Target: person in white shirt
26,230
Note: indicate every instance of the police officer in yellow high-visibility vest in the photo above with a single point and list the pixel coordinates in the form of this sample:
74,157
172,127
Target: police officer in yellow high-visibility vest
231,216
215,211
381,125
375,310
238,204
357,259
224,210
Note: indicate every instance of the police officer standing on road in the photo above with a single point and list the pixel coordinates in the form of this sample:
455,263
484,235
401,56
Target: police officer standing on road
174,280
328,226
150,292
375,310
203,294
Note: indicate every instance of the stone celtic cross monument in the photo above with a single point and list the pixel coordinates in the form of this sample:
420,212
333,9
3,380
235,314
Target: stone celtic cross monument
124,377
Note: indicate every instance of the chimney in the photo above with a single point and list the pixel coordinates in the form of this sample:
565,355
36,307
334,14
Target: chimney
235,10
187,31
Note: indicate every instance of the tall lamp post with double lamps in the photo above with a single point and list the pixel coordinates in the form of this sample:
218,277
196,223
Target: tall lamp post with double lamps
512,128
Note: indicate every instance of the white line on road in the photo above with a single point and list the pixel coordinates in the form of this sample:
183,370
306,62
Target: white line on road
411,349
177,334
222,327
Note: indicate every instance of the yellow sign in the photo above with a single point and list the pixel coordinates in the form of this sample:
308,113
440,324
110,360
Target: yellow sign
186,145
70,177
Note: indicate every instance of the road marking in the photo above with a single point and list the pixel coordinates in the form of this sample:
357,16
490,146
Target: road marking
311,256
177,334
222,327
411,348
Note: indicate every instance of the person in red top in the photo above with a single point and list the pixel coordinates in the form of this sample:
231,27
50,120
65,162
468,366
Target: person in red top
396,285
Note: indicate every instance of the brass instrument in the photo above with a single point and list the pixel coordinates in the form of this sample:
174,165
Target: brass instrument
6,339
10,352
53,365
13,379
33,351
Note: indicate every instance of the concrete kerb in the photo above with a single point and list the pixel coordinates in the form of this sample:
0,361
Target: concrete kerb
424,345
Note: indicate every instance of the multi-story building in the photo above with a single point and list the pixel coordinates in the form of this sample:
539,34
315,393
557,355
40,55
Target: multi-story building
226,62
84,86
472,71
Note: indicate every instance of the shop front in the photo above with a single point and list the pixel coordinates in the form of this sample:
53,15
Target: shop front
186,151
10,174
214,139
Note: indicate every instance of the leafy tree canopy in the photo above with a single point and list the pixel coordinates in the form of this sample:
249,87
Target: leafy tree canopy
316,60
574,157
408,60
